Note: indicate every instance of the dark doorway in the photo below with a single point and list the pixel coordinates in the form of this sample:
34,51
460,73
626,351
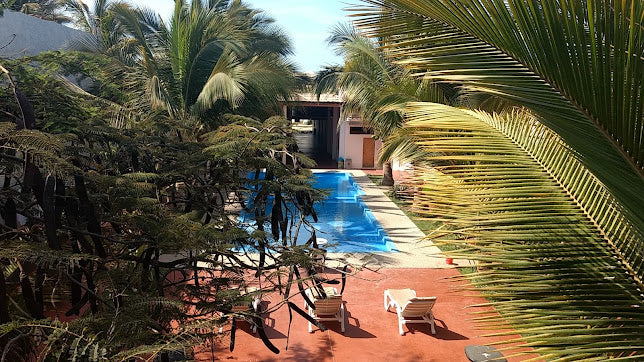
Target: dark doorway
318,131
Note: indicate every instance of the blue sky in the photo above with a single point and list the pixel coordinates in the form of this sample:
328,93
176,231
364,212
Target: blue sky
307,23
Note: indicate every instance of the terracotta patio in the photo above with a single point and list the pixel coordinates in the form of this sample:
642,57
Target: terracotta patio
371,332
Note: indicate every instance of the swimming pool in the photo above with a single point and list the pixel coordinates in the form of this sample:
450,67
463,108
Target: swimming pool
344,219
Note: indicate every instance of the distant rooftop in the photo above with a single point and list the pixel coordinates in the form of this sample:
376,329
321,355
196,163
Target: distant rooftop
25,35
313,98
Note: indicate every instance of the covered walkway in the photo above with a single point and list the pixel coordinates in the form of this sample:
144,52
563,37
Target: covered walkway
321,143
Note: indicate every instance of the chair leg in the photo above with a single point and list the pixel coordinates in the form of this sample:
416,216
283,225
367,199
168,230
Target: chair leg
311,314
342,316
386,304
430,320
256,308
431,317
400,324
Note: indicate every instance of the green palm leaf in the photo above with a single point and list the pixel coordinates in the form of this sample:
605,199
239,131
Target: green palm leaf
576,64
557,258
226,82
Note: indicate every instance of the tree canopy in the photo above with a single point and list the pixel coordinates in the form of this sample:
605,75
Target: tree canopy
120,199
545,193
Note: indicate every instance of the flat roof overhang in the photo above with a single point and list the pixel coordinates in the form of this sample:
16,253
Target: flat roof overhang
313,104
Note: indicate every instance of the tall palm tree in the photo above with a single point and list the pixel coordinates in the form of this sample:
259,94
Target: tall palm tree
548,199
375,88
211,58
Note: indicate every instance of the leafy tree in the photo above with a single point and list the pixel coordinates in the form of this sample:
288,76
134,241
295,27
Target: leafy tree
548,199
120,239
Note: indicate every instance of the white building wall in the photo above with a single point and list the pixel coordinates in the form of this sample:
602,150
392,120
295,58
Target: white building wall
350,147
397,165
25,35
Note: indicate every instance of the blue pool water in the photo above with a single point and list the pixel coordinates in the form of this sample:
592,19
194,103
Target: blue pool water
344,219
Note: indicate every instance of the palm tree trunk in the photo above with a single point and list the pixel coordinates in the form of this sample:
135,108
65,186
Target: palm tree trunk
387,174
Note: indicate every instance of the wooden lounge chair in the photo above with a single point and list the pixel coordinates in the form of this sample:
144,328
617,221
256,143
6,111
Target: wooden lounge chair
330,308
410,308
246,308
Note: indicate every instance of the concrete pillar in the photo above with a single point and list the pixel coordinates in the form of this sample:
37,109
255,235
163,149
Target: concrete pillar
336,133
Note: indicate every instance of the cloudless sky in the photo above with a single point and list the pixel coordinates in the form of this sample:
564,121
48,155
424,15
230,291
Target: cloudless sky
307,23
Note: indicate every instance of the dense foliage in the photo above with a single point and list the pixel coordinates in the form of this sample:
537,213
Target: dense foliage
131,227
123,176
546,196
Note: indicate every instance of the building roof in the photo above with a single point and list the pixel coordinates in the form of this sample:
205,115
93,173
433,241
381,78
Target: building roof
25,35
313,98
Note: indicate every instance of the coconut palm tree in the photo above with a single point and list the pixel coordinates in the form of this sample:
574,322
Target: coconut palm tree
210,59
548,198
375,88
550,60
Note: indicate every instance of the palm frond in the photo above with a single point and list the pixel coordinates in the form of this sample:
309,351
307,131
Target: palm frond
326,80
577,64
371,85
552,244
270,81
400,146
226,82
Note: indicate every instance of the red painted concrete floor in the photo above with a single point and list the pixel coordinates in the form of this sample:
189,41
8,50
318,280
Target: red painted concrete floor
371,333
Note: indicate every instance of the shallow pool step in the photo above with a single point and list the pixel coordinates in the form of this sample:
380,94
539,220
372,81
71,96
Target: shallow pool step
357,246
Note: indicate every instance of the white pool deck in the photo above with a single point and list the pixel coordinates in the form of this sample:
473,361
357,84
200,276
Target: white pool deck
413,250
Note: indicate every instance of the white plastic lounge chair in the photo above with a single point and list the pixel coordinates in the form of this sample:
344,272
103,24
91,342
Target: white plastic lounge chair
410,308
330,308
